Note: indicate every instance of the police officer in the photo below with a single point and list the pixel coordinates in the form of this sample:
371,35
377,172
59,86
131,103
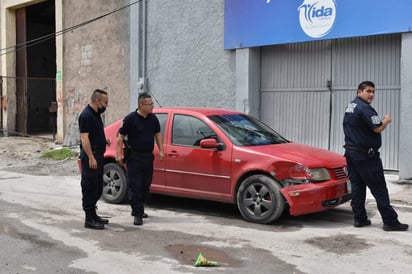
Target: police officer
362,127
93,146
139,127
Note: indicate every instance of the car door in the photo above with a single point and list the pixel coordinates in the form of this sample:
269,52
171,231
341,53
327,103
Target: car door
194,171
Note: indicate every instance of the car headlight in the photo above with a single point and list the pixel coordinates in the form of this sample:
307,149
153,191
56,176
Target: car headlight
320,174
298,174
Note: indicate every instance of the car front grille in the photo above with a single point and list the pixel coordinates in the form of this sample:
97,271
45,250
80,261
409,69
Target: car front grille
340,172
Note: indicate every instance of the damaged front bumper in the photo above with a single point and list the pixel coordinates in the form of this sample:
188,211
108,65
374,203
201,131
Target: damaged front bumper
316,197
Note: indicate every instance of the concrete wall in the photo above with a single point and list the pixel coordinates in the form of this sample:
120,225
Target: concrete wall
248,75
95,56
176,46
183,57
8,61
186,63
405,144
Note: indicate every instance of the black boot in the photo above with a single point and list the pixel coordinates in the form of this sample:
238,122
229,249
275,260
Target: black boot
99,219
90,221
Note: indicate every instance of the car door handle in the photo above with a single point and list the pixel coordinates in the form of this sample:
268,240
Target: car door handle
173,154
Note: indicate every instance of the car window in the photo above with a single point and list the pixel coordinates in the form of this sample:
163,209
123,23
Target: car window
188,130
245,130
162,120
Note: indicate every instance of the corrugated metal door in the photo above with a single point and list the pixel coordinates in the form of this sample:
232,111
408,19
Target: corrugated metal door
295,99
375,58
305,88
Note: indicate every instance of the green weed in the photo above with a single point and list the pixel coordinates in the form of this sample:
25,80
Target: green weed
59,154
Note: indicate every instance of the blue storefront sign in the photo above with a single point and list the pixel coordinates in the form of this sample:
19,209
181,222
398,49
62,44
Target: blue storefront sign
252,23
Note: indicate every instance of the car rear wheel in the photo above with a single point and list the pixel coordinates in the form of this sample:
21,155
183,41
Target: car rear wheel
114,184
259,199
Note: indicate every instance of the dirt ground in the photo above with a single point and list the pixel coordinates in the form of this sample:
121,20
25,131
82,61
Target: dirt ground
22,155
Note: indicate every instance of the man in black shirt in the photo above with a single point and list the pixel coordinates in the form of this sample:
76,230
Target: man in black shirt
139,127
93,146
362,127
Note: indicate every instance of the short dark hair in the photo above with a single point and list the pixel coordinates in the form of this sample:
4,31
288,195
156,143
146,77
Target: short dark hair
142,96
97,94
365,84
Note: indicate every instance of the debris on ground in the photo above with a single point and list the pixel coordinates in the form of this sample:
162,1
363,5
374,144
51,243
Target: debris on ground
23,155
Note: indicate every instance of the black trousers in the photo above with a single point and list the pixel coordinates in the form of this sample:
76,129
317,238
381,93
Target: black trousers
91,181
139,179
365,171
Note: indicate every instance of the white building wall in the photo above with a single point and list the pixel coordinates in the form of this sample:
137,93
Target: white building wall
248,81
186,62
187,66
405,144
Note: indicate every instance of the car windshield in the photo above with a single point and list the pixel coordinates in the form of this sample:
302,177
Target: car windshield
245,130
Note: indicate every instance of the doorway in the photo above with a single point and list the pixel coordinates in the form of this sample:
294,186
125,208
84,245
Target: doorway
36,69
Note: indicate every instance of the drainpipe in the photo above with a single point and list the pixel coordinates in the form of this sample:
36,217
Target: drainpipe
138,47
144,41
142,83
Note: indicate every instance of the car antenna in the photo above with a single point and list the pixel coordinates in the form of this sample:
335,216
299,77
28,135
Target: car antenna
155,99
143,85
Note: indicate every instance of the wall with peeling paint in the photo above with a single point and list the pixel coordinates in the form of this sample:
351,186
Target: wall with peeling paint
95,56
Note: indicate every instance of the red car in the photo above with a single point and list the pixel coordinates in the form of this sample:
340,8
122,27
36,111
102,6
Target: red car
231,157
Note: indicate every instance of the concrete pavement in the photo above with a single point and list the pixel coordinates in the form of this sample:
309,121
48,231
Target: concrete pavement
42,219
400,191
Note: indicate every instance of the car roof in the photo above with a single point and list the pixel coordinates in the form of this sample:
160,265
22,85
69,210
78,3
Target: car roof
200,110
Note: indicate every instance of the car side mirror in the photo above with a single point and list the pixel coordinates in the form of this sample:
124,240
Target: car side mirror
211,143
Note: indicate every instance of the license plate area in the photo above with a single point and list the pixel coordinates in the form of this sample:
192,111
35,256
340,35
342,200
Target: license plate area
348,187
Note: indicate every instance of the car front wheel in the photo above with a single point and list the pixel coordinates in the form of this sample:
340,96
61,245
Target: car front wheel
114,184
259,199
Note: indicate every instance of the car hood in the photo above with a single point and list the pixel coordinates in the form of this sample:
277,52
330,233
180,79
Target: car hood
311,157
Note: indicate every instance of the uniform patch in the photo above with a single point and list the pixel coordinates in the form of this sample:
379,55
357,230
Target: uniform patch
376,120
350,108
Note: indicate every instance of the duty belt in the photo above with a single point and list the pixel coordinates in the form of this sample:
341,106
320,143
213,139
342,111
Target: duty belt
130,151
370,151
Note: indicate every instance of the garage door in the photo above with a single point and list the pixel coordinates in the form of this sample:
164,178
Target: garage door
305,88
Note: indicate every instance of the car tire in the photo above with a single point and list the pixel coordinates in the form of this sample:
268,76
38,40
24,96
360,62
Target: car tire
114,184
259,199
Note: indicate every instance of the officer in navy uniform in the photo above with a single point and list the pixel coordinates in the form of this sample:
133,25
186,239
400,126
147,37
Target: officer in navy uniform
362,127
139,127
93,146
